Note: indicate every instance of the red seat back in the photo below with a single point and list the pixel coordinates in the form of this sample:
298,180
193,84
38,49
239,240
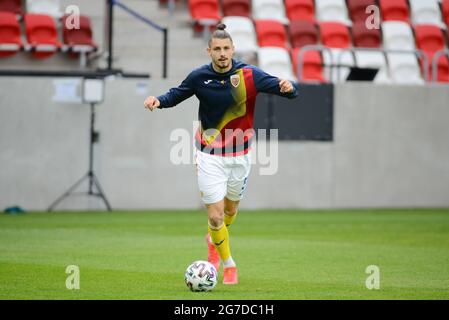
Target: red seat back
445,9
13,6
41,30
204,9
357,9
271,33
303,32
364,37
241,8
429,38
82,35
335,35
396,10
9,32
300,10
312,66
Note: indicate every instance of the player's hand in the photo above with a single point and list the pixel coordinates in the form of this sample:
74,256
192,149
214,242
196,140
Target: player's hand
285,86
152,103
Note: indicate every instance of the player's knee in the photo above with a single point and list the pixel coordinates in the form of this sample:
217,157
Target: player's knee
230,211
216,220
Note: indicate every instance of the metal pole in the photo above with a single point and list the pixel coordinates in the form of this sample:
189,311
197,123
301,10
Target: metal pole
165,53
91,148
110,31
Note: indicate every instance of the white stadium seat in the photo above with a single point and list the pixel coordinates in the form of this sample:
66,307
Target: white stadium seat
276,61
426,12
49,7
243,35
373,59
269,10
340,62
404,68
332,10
398,35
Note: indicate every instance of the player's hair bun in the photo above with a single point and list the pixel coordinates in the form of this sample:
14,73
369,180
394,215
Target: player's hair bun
221,26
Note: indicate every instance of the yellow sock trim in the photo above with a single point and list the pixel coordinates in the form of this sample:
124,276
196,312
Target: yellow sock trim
220,238
228,219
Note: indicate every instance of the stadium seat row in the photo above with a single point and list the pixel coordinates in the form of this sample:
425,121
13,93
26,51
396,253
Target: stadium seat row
48,7
335,31
42,35
410,11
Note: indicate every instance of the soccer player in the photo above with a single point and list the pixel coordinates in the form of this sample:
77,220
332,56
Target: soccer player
227,91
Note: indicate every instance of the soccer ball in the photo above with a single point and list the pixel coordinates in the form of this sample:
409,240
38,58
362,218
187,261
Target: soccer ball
201,276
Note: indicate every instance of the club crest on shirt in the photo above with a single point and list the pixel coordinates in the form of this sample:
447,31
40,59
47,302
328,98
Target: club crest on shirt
235,80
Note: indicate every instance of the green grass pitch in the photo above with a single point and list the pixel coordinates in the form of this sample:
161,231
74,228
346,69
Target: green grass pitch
304,254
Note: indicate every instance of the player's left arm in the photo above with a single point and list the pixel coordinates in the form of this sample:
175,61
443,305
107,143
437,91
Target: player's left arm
267,83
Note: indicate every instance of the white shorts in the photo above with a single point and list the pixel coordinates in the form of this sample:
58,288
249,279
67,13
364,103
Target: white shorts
220,177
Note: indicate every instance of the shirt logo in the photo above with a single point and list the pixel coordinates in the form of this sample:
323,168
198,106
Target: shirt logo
207,81
235,80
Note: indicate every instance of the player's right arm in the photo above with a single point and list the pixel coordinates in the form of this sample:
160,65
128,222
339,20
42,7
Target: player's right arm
173,97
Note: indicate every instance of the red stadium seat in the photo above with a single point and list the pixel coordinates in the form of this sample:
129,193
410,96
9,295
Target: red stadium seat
10,42
271,33
300,10
430,39
357,9
364,37
445,9
395,10
312,67
239,8
13,6
204,12
78,39
41,35
303,32
335,35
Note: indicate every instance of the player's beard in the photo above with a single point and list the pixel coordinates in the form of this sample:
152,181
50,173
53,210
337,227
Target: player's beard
222,65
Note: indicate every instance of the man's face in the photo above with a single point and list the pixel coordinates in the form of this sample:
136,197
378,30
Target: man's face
221,52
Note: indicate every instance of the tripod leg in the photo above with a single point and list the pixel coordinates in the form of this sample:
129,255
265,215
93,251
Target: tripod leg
67,193
100,191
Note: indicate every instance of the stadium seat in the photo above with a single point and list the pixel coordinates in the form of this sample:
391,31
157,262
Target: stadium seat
334,35
303,32
364,37
357,9
312,66
332,10
13,6
10,41
397,35
276,61
243,35
445,11
269,10
300,10
430,39
373,59
78,40
271,33
241,8
394,10
340,63
443,69
205,13
48,7
404,68
426,12
41,35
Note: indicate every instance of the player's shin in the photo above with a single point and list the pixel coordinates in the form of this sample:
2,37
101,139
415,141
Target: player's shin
220,238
